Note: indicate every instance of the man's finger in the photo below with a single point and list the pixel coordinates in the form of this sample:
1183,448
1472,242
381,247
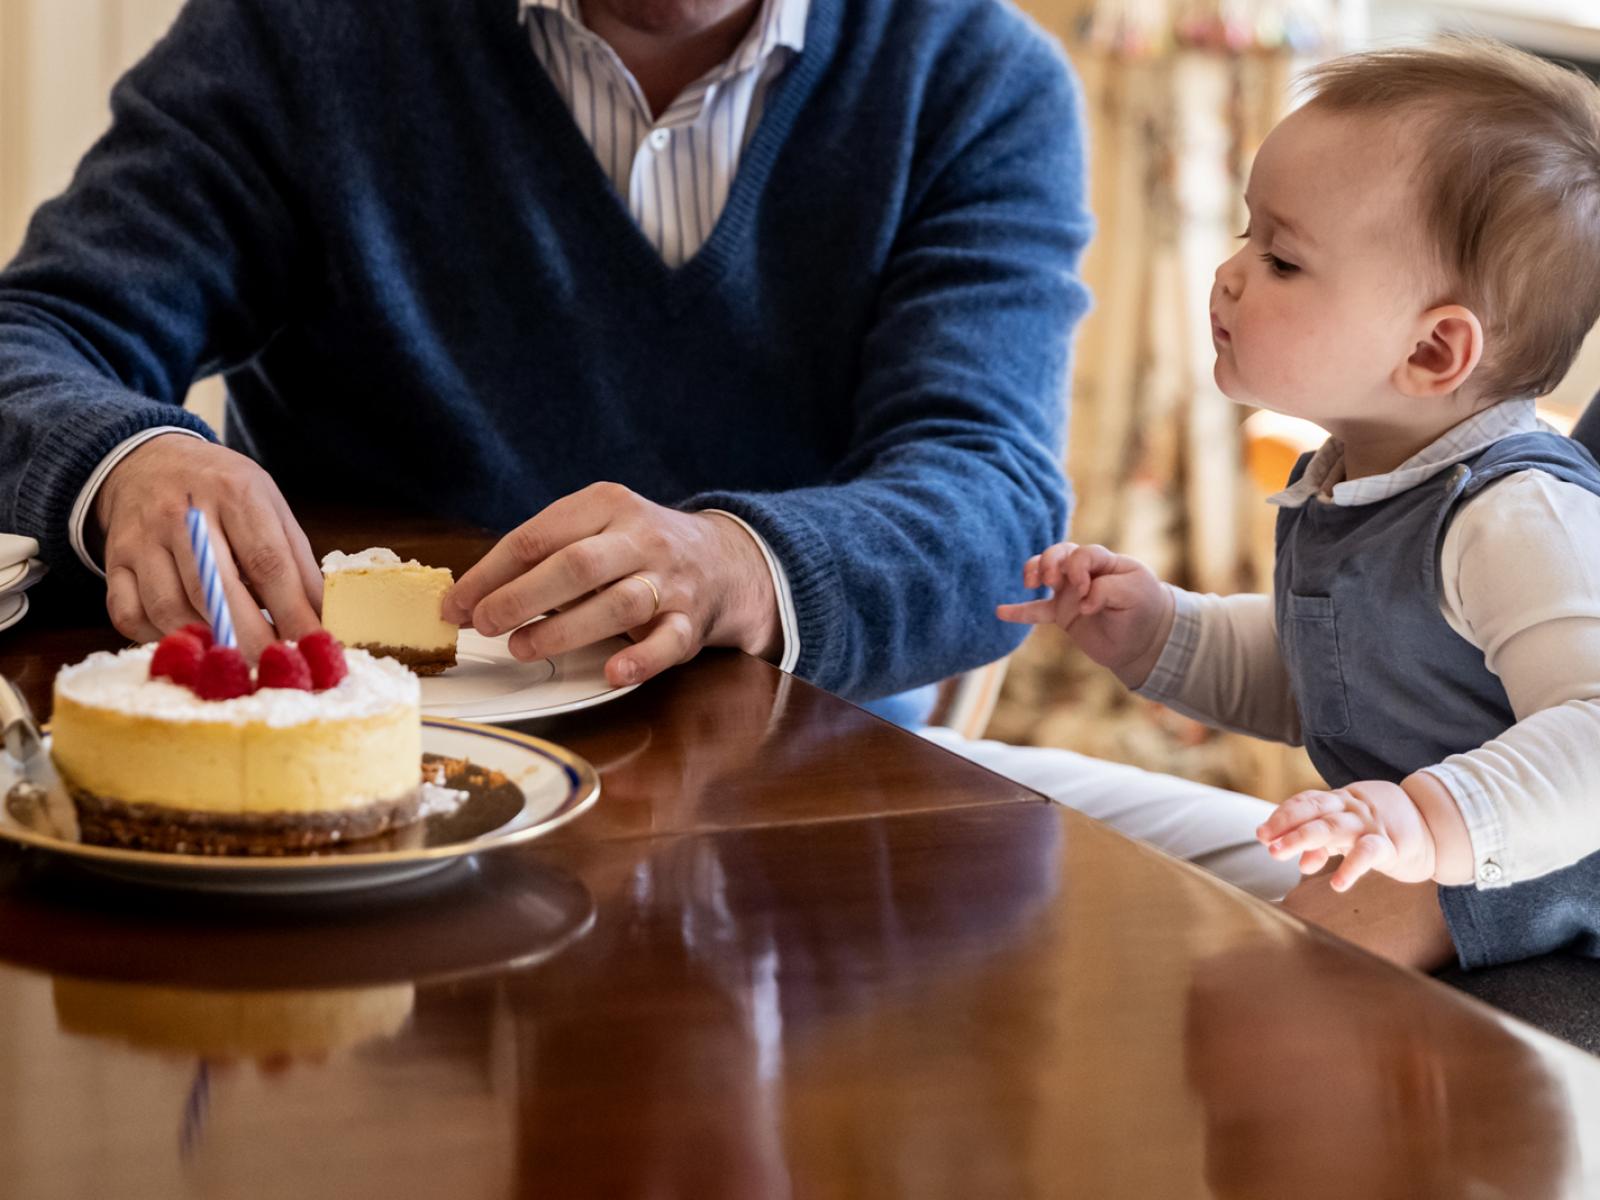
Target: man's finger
580,515
125,608
670,641
162,593
305,558
263,558
627,604
567,575
251,629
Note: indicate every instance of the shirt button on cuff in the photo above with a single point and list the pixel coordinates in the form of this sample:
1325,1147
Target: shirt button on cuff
1490,872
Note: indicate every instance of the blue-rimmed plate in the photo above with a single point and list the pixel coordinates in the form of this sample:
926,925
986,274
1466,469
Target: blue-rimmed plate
518,788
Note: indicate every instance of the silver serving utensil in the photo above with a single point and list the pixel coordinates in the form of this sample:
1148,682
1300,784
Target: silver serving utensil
18,730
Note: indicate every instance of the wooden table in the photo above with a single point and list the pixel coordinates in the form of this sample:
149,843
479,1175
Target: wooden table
794,952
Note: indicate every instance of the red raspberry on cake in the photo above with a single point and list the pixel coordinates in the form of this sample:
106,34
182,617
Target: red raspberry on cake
201,632
177,658
325,656
223,675
283,666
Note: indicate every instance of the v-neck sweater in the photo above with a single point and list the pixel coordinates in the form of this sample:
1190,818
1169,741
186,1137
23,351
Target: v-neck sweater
384,228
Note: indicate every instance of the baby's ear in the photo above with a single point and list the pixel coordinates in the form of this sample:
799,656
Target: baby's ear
1447,347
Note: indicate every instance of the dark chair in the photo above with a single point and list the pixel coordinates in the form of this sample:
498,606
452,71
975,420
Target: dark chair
1559,993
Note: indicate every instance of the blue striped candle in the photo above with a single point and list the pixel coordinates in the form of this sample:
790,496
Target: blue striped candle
205,560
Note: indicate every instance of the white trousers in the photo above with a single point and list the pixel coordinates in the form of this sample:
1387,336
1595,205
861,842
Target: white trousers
1210,827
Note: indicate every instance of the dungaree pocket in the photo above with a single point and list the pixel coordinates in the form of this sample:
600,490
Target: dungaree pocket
1311,651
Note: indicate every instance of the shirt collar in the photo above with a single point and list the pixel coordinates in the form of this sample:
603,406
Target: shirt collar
778,23
1462,441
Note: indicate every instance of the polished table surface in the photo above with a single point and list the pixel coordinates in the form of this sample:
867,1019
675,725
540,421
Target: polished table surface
794,951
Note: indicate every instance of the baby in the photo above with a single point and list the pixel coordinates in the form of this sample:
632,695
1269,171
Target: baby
1422,260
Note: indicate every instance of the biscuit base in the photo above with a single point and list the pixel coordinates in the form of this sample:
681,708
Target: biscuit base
138,826
423,662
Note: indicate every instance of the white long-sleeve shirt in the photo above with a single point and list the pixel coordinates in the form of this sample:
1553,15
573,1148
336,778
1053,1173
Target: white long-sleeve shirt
1520,580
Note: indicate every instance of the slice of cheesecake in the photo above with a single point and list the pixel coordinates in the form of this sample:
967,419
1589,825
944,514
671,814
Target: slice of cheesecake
374,601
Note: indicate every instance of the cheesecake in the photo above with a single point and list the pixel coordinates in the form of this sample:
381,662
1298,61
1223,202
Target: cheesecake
375,602
257,1025
183,748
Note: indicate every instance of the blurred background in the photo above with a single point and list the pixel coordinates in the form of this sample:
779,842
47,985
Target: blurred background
1179,94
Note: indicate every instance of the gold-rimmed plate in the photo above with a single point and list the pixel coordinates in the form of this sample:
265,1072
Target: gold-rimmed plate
518,788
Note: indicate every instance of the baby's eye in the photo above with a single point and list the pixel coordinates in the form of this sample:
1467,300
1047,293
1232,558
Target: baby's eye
1245,236
1279,266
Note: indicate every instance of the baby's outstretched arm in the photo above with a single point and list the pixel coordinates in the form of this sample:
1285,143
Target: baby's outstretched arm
1112,606
1411,831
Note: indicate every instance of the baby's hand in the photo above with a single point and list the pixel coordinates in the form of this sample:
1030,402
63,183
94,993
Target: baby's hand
1375,825
1111,605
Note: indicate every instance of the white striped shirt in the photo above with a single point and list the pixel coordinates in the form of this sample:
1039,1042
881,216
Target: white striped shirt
672,172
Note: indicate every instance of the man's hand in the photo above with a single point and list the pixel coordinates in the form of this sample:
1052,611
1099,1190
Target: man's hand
1112,606
152,583
578,560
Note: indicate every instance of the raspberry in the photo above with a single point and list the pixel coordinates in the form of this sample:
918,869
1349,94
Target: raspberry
223,675
283,666
325,656
177,658
200,631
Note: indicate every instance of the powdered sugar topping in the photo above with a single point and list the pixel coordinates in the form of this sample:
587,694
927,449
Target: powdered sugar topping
122,682
374,558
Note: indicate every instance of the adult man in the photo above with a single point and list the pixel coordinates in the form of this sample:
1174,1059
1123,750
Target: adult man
795,278
436,272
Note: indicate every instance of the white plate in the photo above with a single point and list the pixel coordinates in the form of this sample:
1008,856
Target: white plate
15,548
546,786
13,608
487,684
21,576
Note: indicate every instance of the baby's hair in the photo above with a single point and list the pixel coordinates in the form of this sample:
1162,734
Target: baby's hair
1509,188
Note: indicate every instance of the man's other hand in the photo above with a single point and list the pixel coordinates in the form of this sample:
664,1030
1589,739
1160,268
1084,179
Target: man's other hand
605,561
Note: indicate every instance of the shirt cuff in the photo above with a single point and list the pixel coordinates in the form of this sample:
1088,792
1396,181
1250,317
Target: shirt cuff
1166,677
788,622
1491,862
84,504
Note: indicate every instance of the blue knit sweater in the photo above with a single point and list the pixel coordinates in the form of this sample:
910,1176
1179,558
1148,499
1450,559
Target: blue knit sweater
380,222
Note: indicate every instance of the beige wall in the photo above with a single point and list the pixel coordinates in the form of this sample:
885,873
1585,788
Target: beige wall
58,60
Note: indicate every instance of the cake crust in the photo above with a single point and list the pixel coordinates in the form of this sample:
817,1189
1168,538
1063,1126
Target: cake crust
137,826
433,661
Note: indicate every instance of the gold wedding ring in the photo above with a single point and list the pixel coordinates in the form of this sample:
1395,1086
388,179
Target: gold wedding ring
655,596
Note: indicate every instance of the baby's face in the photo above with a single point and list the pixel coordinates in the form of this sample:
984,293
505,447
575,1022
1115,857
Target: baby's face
1317,309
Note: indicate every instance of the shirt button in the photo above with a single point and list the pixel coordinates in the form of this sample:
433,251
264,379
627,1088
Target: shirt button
660,138
1490,872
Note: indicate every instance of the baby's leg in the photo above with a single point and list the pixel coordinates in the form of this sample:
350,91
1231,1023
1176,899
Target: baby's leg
1210,827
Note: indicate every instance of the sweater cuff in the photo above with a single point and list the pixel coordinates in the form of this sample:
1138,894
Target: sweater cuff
807,561
65,458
